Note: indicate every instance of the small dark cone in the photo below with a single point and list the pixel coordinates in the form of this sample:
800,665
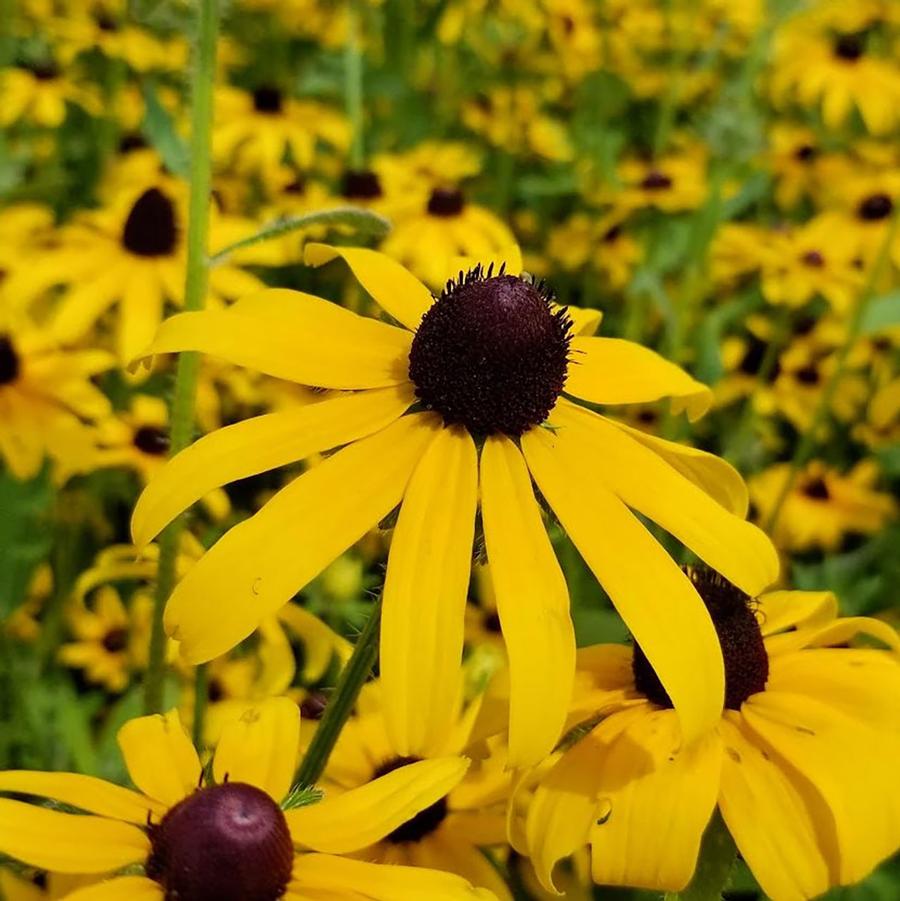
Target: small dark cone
150,229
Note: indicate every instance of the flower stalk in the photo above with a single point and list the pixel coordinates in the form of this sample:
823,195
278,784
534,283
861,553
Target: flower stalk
197,274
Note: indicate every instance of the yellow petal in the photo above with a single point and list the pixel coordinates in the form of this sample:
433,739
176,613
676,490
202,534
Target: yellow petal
378,882
766,809
653,596
68,843
160,758
655,803
838,632
320,642
585,320
261,563
357,818
320,344
396,290
850,765
615,371
565,805
458,853
425,595
645,482
84,792
260,748
257,445
717,477
123,888
532,601
781,610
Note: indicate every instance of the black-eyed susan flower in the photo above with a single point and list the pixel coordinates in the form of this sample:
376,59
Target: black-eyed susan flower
227,832
37,92
803,703
47,401
824,505
464,398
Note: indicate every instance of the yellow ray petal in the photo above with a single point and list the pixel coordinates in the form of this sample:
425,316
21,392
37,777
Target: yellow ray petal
357,818
396,290
140,313
160,758
532,601
258,565
781,610
257,445
425,595
84,792
260,748
315,343
615,371
645,482
315,872
132,888
655,803
456,853
68,843
765,807
655,599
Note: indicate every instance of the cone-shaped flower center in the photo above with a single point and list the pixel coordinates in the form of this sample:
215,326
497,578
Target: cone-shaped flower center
9,361
743,649
491,354
224,843
151,440
150,229
361,184
848,47
817,489
115,640
446,202
875,207
425,821
267,100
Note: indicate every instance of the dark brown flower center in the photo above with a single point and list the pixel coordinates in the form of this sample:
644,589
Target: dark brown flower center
743,649
361,184
813,259
425,821
848,47
805,153
267,100
10,366
807,375
150,229
46,70
151,440
754,356
115,640
656,181
446,202
875,207
491,354
492,621
313,705
817,489
223,843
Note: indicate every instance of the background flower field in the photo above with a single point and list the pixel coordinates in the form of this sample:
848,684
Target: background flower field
716,180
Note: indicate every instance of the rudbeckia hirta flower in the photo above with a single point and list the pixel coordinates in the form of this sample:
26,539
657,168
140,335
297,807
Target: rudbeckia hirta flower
802,765
463,401
224,833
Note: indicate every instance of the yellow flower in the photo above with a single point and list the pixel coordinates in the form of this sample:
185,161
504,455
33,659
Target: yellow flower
255,130
800,709
794,157
228,832
39,92
824,505
882,423
46,400
24,622
602,243
488,360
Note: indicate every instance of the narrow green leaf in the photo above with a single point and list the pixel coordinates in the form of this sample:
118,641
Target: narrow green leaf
882,313
159,129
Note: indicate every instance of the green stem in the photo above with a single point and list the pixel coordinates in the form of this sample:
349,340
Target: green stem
353,86
201,695
341,703
807,443
714,866
182,411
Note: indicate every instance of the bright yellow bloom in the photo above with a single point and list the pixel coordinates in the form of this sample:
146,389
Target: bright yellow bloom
39,93
801,765
488,360
221,832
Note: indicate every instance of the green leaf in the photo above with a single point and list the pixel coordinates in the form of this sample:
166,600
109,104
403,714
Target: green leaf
159,129
364,222
301,796
881,313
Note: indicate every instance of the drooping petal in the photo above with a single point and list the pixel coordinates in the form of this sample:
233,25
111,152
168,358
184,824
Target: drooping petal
425,595
566,803
257,445
84,792
781,610
260,748
68,843
362,816
656,801
820,742
314,343
656,600
132,888
616,371
766,809
532,602
837,632
258,565
140,313
456,853
645,482
396,290
314,872
159,756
